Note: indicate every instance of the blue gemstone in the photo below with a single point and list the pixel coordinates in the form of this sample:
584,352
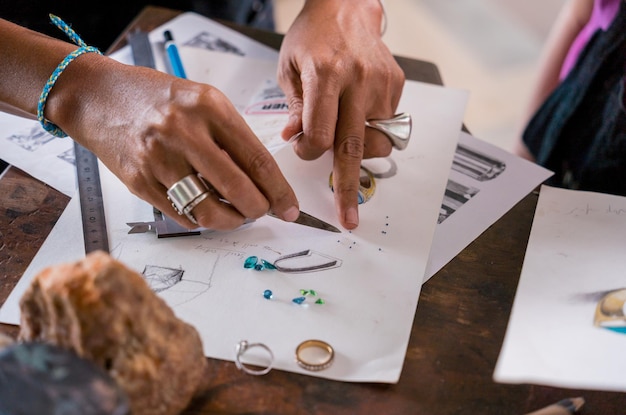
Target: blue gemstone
267,264
299,300
268,294
250,262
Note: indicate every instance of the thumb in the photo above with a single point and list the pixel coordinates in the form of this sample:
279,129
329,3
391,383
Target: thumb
294,123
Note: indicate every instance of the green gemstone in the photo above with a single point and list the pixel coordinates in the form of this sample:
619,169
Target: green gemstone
313,293
267,264
320,301
250,262
304,292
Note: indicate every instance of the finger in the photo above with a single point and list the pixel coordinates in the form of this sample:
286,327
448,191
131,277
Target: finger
348,153
376,144
209,213
289,82
321,95
253,174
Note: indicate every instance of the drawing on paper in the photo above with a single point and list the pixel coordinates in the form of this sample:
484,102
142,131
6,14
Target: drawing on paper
165,279
162,278
68,156
33,139
477,165
206,40
305,261
455,196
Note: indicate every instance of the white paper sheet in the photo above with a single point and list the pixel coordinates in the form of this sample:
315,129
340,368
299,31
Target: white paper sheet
485,182
370,298
575,256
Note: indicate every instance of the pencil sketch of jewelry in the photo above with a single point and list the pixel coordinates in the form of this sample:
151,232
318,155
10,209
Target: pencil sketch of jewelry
455,196
170,280
475,164
32,139
305,261
209,41
68,156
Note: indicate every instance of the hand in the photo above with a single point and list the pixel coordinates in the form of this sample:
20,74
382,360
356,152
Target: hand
152,129
336,73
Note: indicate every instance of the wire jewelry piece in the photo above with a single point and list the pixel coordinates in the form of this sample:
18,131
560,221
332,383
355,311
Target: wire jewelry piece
303,261
314,355
397,129
242,347
186,194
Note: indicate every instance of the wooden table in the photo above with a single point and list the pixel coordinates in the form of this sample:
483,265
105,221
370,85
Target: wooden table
457,333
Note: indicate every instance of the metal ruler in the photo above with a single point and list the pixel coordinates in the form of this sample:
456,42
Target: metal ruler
91,202
89,187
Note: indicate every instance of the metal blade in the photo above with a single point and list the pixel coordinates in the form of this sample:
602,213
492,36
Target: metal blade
140,227
308,220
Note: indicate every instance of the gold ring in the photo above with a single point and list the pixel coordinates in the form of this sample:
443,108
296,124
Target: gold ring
314,355
367,185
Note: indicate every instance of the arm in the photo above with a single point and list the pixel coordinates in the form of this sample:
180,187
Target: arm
337,72
570,21
151,129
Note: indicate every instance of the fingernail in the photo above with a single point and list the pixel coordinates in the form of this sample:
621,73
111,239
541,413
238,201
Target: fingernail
291,214
351,218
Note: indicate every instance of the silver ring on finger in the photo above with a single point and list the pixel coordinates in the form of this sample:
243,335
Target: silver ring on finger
397,129
188,209
186,194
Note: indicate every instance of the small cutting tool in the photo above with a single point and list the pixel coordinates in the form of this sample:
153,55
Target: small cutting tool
166,227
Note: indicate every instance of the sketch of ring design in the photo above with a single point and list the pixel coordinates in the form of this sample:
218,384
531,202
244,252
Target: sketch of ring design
263,360
367,185
610,311
314,355
305,261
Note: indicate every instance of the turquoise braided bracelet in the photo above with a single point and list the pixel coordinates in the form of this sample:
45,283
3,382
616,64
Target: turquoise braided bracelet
41,104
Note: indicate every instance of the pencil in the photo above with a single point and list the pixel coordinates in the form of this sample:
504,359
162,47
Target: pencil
176,63
564,407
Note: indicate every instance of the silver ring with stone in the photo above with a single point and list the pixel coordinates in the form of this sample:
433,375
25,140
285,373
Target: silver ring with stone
186,193
397,129
253,360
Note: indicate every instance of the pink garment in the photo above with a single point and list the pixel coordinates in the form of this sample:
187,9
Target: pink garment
604,11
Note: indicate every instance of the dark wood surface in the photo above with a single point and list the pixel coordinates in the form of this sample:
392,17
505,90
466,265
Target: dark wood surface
457,333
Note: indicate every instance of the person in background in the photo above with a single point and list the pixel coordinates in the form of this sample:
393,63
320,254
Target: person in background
576,116
152,129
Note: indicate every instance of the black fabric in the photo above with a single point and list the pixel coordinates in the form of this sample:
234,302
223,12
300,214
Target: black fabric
580,130
100,22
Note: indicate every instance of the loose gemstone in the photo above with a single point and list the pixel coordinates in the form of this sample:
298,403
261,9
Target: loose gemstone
320,301
267,264
299,300
304,292
313,293
259,267
250,262
268,294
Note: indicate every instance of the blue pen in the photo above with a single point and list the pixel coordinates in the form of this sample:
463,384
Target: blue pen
172,53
